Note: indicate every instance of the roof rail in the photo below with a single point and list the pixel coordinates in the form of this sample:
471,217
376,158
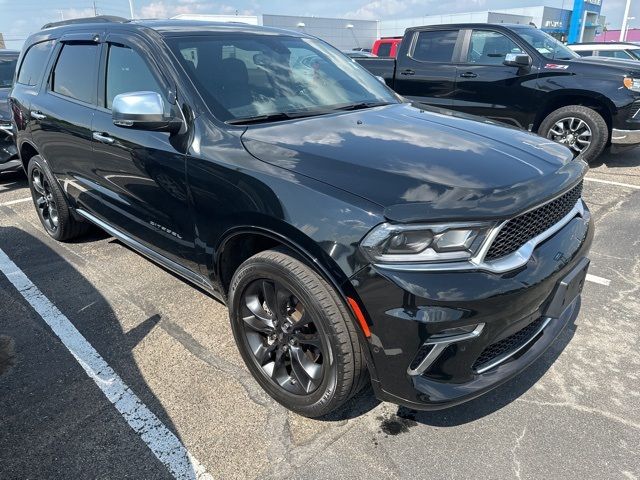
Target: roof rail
96,19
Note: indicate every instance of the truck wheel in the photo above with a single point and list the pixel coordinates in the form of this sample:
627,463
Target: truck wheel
294,334
51,204
582,129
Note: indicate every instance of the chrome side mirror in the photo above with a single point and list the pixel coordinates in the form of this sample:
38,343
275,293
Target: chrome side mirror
142,111
517,60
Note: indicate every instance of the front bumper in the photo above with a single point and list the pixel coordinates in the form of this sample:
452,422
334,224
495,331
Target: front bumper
410,309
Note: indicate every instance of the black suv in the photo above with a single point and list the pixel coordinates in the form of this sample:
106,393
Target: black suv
352,235
522,76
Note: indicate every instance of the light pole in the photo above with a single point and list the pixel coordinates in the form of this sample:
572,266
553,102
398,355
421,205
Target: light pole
625,21
131,8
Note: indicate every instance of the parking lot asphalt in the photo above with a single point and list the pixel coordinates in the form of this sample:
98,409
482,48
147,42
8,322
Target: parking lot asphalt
573,414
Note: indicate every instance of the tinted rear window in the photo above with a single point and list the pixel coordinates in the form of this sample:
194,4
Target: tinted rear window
34,63
7,69
435,46
615,54
384,50
74,75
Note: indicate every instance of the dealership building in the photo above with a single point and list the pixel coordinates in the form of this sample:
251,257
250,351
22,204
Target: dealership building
580,24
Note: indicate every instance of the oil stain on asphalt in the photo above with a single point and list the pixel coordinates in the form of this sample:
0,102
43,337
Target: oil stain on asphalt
7,354
398,423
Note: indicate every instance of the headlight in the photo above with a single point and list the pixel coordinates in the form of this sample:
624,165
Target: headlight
392,243
632,83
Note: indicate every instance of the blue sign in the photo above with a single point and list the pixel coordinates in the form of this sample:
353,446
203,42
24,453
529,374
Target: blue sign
583,12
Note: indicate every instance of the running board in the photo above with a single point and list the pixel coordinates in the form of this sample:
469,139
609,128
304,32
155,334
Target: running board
152,255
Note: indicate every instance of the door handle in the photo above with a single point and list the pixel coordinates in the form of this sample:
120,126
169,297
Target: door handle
102,138
468,75
408,71
38,115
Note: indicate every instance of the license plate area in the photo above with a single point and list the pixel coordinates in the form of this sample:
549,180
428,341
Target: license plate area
568,289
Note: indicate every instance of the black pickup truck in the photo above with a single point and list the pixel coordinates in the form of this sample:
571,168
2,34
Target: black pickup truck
519,75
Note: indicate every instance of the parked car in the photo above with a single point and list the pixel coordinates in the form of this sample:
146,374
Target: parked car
361,49
358,54
386,47
8,152
620,50
519,75
352,235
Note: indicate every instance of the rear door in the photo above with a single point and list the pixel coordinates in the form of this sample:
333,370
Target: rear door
426,72
62,113
487,87
138,178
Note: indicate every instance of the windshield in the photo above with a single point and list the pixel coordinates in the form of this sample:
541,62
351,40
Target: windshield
7,69
246,76
635,53
546,44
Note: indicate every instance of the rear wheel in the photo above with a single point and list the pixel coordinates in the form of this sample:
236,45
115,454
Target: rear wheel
294,334
582,129
51,204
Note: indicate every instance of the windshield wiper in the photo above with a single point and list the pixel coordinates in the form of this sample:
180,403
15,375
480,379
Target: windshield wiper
274,117
362,105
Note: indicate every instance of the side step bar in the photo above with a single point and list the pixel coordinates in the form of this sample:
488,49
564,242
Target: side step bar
152,255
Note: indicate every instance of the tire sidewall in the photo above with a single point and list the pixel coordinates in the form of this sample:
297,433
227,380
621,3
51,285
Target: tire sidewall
263,269
599,129
38,162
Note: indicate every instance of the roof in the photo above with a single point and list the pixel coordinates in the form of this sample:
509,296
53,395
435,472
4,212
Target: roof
579,47
505,26
169,26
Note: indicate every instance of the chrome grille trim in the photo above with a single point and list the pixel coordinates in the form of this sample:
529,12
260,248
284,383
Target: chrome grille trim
509,262
506,356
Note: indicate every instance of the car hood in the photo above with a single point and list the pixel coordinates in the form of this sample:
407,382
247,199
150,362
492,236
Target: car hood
610,62
420,164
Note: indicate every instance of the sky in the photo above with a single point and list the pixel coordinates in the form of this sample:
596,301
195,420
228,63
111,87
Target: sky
18,18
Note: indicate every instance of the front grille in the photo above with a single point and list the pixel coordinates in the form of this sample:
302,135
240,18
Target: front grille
519,230
506,345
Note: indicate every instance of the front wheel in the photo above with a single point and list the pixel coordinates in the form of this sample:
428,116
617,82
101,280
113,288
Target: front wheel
582,129
294,334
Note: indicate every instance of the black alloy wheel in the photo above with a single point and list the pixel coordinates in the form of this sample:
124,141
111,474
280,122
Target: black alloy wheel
44,200
295,334
283,337
50,201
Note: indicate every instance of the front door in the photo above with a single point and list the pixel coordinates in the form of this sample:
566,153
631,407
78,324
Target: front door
488,88
140,175
427,73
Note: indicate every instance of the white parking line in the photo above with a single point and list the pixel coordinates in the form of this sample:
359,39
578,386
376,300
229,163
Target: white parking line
13,202
162,442
596,279
609,182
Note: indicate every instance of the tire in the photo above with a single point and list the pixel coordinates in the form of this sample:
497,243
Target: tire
593,120
299,296
48,198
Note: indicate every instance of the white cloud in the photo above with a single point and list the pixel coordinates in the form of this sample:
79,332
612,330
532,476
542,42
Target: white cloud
167,9
380,9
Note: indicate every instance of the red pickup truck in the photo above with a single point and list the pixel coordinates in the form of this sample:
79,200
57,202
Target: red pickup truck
387,47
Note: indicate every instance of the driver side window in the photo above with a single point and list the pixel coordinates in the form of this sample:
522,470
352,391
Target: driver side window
127,72
490,48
